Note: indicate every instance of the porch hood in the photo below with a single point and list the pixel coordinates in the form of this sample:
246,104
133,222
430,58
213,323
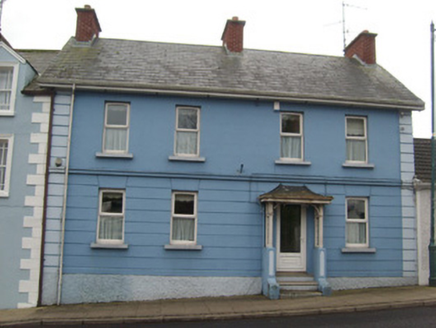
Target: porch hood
294,195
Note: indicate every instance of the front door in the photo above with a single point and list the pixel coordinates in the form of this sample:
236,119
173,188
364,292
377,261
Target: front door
291,238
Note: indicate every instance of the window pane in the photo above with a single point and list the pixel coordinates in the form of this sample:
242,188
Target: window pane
112,202
5,99
111,227
355,127
356,150
116,139
356,209
184,204
116,114
291,147
6,78
187,118
291,123
356,233
3,158
183,229
186,143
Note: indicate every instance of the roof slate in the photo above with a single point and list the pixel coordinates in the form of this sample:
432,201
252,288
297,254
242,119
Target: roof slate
422,159
39,59
111,63
299,194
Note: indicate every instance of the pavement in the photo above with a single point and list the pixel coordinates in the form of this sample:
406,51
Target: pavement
220,308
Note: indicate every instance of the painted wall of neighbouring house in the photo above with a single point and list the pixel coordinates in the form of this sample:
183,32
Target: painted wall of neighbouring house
21,212
230,218
423,202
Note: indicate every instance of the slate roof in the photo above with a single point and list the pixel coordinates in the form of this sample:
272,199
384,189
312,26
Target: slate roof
210,70
39,59
422,159
294,194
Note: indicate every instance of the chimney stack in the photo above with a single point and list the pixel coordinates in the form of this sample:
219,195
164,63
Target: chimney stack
363,46
233,35
87,27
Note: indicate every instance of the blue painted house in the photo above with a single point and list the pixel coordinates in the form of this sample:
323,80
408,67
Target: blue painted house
24,122
204,171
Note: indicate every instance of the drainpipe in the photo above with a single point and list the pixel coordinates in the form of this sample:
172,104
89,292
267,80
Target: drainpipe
44,208
64,205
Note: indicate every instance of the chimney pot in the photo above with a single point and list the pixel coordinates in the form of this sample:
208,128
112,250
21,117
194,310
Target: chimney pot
87,7
233,35
363,46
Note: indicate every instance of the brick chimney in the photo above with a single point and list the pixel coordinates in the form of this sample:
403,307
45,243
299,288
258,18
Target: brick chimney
87,27
233,35
363,46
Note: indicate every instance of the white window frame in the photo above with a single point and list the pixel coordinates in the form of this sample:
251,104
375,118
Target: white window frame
124,127
289,134
365,220
11,110
184,216
10,140
101,214
197,131
364,138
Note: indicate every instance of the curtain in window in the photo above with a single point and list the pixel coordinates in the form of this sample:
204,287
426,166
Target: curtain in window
116,139
111,227
356,233
183,229
6,74
291,147
186,143
356,150
5,99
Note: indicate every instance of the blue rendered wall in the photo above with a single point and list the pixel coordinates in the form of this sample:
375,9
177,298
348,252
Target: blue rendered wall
12,209
230,221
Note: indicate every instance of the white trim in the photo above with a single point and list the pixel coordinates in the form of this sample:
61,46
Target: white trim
357,138
12,52
183,216
100,241
15,69
118,126
292,160
365,220
10,142
197,131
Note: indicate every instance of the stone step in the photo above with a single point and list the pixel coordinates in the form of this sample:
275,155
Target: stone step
299,285
298,294
294,277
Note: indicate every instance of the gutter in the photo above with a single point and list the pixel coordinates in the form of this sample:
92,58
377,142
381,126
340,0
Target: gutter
64,204
218,94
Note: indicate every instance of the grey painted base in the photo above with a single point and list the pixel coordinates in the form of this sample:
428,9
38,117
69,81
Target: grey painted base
83,288
358,282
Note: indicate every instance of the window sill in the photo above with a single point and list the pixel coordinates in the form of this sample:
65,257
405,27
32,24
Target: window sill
359,165
106,155
4,194
291,162
7,113
184,247
110,246
358,250
187,159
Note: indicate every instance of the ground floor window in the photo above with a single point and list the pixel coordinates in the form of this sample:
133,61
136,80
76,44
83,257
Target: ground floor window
184,218
356,222
110,228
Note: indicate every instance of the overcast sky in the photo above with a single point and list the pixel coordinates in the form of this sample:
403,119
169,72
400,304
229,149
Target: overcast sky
305,26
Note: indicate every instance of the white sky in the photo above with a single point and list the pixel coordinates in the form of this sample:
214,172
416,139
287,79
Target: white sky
304,26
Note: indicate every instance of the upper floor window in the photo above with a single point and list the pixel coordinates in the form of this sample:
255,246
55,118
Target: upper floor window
5,164
291,136
184,218
357,222
110,227
7,89
187,136
356,139
116,128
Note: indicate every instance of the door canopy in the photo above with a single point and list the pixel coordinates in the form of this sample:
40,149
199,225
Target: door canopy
294,195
